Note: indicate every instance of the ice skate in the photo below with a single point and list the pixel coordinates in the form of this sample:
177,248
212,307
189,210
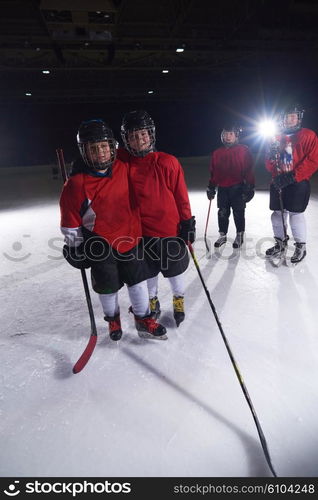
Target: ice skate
148,328
221,240
154,305
237,243
114,326
178,309
299,253
277,253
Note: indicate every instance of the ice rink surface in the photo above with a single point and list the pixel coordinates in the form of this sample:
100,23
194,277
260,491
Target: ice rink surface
145,408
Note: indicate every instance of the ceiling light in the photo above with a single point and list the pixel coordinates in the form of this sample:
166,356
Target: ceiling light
150,91
45,71
28,93
179,49
165,71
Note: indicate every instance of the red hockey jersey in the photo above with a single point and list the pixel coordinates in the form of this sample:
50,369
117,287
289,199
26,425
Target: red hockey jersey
303,154
230,166
103,205
161,192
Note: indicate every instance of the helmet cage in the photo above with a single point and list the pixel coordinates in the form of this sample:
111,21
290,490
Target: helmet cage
283,123
90,133
143,152
135,121
236,130
84,147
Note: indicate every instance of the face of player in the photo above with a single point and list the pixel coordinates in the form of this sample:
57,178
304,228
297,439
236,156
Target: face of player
291,120
229,137
98,152
139,140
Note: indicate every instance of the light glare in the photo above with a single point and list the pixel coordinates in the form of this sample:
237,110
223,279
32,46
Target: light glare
267,128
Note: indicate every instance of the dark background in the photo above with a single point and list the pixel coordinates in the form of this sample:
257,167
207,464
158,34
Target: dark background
242,59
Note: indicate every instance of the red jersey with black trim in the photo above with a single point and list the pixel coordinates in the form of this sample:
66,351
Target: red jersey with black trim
107,205
161,192
301,150
232,165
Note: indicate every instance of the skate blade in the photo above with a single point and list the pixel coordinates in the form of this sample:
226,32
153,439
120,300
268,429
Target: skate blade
178,322
148,336
207,246
278,261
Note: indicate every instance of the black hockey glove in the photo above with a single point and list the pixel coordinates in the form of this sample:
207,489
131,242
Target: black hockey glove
283,180
76,257
187,230
210,191
247,192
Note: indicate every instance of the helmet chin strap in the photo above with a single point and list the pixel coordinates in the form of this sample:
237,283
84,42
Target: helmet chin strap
292,130
142,153
100,166
230,144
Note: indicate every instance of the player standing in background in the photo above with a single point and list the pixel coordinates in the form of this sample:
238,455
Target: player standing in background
232,172
292,159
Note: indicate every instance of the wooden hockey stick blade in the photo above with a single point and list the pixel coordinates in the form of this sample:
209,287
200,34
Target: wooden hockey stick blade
81,363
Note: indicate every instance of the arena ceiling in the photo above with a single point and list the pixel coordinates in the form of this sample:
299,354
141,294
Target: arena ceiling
124,50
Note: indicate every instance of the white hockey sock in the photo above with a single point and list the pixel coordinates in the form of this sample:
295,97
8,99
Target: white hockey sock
177,284
139,298
298,227
277,223
109,303
152,285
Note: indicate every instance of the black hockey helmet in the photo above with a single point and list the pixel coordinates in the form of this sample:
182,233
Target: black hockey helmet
134,121
295,108
89,133
230,127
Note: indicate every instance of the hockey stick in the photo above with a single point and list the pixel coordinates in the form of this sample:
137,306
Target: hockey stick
80,364
239,376
206,228
277,261
282,213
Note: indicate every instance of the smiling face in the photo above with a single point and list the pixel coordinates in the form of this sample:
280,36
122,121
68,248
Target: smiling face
98,154
229,137
291,120
139,140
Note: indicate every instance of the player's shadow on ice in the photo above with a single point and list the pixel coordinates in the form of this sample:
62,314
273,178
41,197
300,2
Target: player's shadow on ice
220,289
257,465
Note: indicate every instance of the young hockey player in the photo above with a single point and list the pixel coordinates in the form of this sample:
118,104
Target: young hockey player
161,193
231,170
292,159
102,229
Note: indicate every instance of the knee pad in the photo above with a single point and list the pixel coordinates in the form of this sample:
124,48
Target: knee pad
224,213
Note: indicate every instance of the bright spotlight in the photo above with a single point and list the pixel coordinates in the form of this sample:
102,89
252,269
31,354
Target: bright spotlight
267,128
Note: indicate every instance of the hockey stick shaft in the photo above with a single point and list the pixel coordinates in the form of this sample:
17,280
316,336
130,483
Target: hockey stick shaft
280,196
235,366
206,227
80,364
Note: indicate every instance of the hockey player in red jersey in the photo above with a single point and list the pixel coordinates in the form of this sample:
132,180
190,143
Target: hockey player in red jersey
232,172
102,229
161,193
292,159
